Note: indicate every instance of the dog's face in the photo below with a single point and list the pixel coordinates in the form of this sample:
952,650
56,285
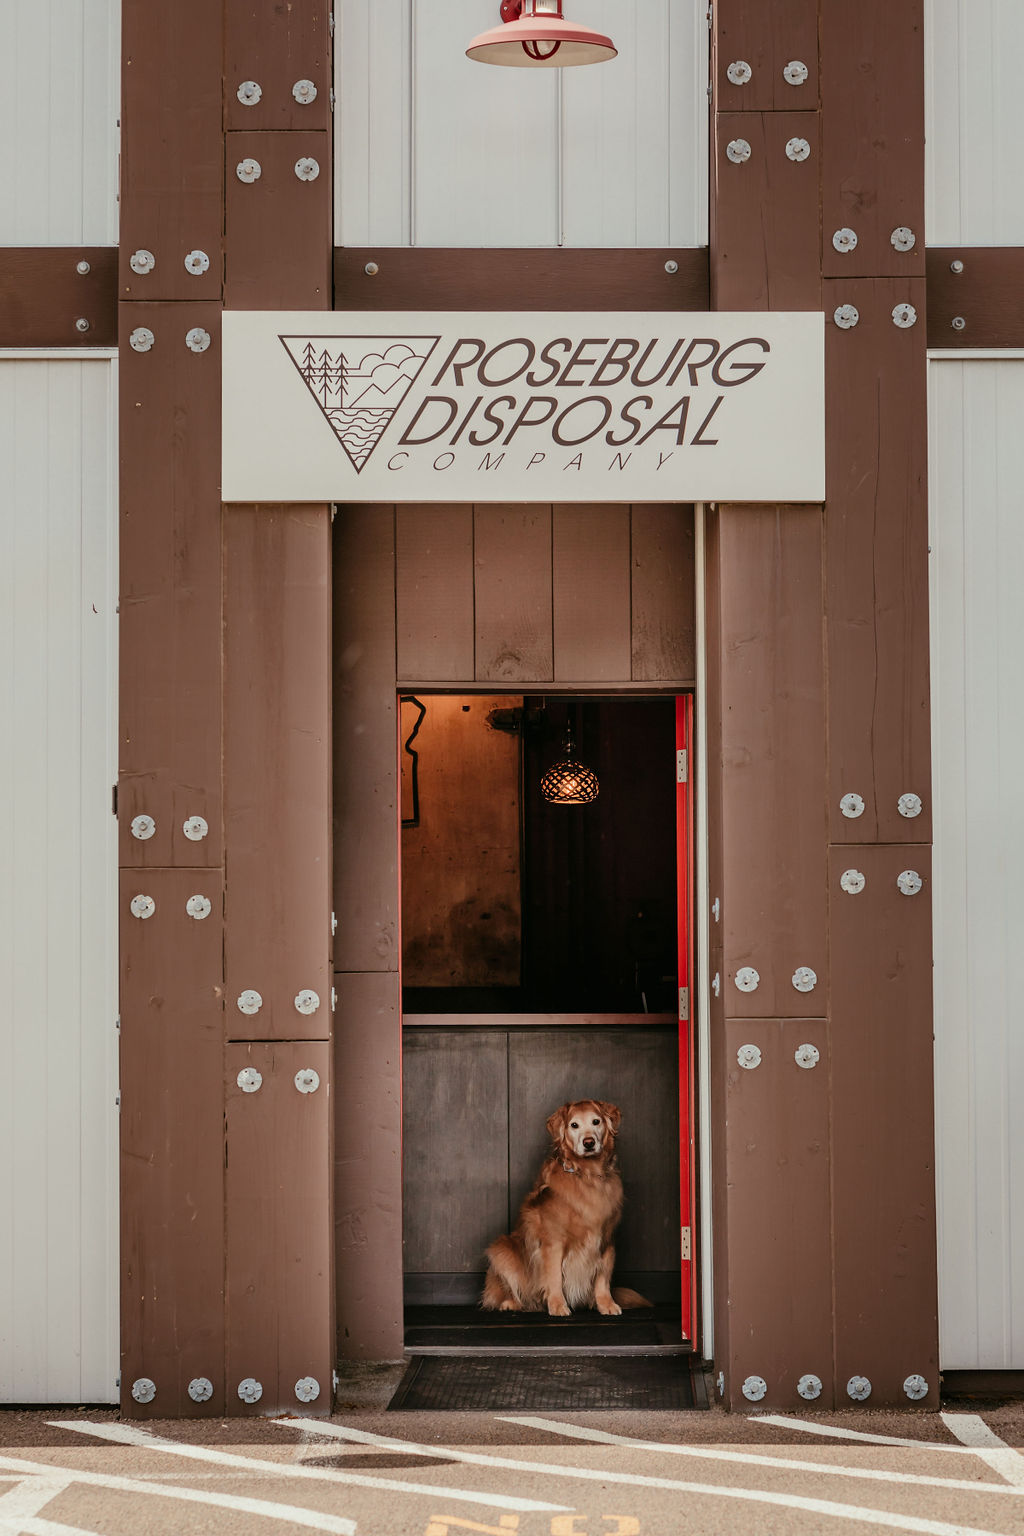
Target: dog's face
585,1128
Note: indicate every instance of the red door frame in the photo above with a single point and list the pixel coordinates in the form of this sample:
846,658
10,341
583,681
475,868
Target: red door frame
687,1077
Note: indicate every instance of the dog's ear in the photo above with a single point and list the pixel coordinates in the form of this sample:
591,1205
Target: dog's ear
557,1123
612,1114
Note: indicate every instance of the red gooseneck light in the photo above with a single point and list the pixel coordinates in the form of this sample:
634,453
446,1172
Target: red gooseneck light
535,35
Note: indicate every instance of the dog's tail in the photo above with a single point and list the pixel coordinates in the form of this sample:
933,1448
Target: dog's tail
627,1298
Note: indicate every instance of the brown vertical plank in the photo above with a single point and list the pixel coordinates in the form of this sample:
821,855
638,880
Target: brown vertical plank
279,1252
872,85
591,593
278,227
777,1132
883,1141
171,147
368,1166
170,749
773,758
662,594
877,563
434,580
716,1333
767,35
366,813
277,671
512,573
276,47
172,1143
778,267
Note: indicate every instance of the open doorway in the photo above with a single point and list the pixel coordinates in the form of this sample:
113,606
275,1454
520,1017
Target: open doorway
540,955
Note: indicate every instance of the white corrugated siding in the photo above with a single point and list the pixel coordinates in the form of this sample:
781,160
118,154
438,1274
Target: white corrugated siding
436,150
977,512
59,106
975,49
58,870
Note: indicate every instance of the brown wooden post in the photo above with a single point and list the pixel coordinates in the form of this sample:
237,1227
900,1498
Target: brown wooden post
172,1001
225,663
817,650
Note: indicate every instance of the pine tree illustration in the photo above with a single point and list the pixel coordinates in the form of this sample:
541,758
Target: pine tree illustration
323,380
308,362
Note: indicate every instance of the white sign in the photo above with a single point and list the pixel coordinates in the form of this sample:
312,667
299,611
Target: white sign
523,407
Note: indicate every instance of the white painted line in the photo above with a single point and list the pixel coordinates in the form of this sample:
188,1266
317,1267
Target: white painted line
29,1497
29,1526
20,1505
882,1517
126,1434
752,1459
972,1431
784,1421
336,1525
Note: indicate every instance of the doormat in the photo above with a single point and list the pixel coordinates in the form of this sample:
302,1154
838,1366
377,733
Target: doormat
500,1383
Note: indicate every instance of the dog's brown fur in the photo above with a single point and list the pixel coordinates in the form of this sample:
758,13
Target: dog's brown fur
560,1254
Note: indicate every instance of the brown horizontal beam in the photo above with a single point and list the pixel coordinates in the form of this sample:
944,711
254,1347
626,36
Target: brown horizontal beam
531,279
975,296
43,295
507,1021
58,296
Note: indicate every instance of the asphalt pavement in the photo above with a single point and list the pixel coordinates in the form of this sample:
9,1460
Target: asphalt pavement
366,1472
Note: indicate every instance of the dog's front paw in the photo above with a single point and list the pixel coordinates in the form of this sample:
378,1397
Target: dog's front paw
609,1308
558,1307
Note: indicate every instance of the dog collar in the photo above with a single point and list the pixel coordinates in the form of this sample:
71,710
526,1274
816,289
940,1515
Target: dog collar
568,1167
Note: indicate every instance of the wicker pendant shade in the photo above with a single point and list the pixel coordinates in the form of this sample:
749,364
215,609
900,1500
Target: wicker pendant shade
569,782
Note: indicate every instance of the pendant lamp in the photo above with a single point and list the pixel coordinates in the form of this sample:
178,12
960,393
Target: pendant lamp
569,782
535,35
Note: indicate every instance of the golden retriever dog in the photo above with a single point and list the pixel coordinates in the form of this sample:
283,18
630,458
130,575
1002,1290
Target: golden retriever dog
559,1255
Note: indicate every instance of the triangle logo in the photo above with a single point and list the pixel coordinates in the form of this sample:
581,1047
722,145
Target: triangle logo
359,382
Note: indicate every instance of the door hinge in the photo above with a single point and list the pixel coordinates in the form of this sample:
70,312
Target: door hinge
682,766
684,1245
113,799
684,1004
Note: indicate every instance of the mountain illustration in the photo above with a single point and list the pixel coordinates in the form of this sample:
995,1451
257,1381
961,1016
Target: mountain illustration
359,382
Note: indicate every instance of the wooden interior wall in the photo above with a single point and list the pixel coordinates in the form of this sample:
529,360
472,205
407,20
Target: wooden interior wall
461,877
818,636
597,595
225,635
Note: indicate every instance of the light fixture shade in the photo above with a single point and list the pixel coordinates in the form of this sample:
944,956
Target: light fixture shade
570,782
541,42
